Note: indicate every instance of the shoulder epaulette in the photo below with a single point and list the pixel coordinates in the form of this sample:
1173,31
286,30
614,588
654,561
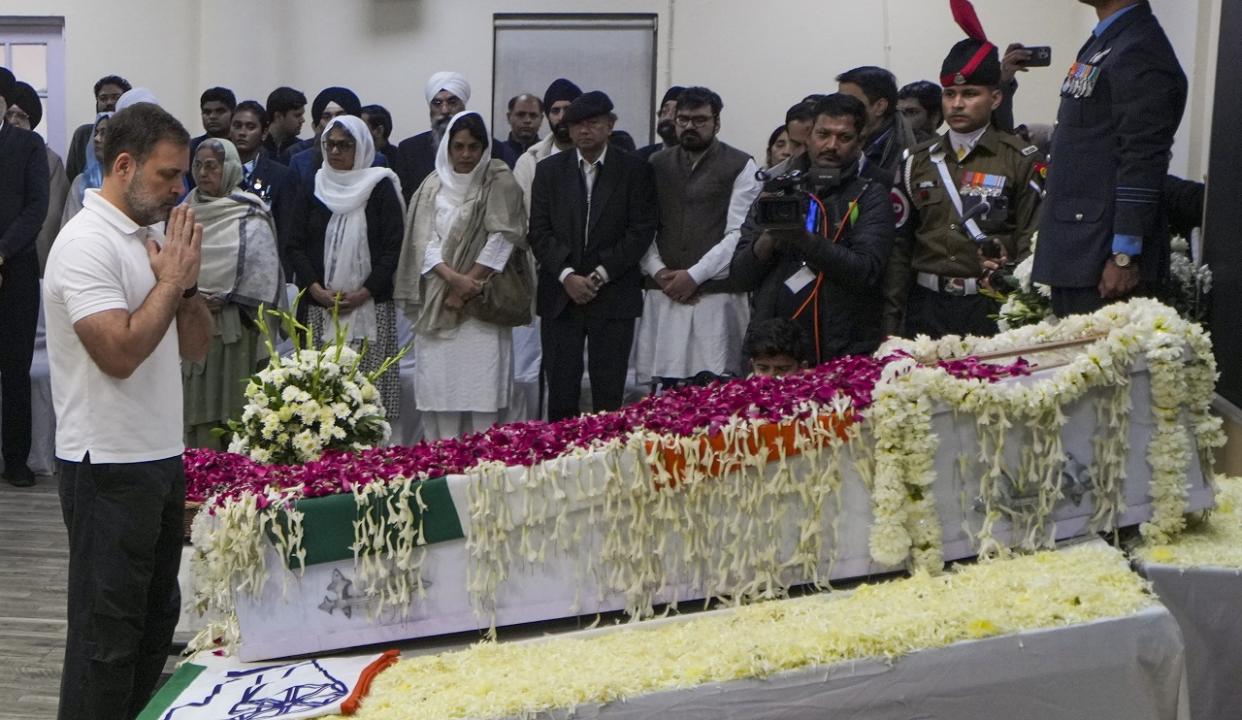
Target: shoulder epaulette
1017,143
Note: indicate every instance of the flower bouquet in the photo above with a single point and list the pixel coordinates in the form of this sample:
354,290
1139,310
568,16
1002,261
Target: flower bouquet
310,401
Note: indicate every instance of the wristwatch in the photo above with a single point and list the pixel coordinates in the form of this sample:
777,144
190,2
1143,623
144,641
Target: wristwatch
1122,260
191,292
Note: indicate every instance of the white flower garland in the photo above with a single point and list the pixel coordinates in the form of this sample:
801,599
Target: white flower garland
1182,372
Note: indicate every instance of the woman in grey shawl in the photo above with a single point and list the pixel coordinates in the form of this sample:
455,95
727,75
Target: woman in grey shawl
240,270
466,224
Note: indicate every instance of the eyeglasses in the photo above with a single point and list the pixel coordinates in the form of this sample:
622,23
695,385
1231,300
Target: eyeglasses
206,165
696,120
341,146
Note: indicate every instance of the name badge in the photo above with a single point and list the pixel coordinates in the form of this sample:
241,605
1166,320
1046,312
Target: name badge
800,280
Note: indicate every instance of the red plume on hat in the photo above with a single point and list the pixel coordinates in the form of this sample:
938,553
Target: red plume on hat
965,16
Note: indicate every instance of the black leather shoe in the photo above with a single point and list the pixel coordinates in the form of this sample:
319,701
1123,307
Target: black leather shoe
20,476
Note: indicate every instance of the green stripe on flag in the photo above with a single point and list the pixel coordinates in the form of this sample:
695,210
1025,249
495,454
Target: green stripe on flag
168,694
328,522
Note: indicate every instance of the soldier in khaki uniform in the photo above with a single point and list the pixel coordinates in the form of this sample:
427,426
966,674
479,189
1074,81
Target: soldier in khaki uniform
940,263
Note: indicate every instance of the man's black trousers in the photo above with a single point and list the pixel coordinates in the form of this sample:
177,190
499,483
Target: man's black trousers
126,523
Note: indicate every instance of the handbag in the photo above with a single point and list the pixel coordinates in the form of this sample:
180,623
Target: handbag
507,296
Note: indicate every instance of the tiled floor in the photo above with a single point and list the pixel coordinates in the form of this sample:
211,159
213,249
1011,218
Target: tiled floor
34,560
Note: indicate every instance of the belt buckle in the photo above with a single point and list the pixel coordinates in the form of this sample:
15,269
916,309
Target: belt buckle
953,286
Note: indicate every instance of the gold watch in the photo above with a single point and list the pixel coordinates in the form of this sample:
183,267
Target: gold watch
1122,260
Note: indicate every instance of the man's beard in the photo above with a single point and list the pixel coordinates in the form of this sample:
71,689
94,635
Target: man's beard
561,132
667,130
438,126
145,210
693,142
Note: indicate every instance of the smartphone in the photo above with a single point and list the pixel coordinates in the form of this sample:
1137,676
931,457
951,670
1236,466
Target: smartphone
1041,56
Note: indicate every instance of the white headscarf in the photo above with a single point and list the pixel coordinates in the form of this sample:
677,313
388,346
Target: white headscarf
453,185
346,254
451,81
134,96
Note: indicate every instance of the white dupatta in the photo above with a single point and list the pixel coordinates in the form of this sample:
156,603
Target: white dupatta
346,252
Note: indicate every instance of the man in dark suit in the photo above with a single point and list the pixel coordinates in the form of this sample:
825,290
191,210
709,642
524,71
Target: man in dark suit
1103,234
593,215
23,206
261,175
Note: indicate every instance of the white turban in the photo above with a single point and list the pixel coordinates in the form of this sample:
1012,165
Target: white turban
451,81
135,96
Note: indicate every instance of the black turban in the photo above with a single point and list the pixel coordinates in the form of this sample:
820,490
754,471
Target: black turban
672,94
6,85
560,89
27,99
339,95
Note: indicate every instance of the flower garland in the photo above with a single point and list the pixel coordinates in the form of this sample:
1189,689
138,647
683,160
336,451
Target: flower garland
1182,373
884,621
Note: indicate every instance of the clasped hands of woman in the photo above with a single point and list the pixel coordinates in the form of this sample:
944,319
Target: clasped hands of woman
346,301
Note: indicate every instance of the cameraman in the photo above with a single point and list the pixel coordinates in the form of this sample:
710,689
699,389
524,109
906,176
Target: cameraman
827,279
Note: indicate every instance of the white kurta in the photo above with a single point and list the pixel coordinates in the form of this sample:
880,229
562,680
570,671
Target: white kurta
468,368
681,341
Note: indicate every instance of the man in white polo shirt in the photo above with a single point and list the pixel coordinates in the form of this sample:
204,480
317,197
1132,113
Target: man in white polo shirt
123,309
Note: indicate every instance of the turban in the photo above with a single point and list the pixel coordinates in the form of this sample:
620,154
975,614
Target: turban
6,84
27,99
451,81
672,94
560,89
587,106
135,96
344,97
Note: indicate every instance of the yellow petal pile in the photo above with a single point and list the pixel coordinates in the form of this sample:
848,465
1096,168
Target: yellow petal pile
1216,542
884,620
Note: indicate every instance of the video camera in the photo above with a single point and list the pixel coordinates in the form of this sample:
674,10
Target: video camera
786,199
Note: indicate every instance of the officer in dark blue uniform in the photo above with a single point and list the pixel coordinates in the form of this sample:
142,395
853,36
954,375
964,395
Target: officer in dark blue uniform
1102,234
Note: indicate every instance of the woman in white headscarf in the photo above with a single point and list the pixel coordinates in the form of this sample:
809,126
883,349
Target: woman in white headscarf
465,280
345,244
240,271
91,176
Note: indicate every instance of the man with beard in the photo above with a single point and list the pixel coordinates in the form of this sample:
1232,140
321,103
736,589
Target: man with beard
666,126
1105,235
108,90
23,208
26,112
447,94
694,316
261,175
887,136
123,311
556,99
826,275
527,339
524,116
946,253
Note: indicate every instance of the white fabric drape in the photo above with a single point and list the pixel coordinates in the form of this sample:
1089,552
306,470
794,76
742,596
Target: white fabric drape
346,252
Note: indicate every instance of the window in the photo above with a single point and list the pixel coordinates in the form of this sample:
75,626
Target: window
615,53
34,49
